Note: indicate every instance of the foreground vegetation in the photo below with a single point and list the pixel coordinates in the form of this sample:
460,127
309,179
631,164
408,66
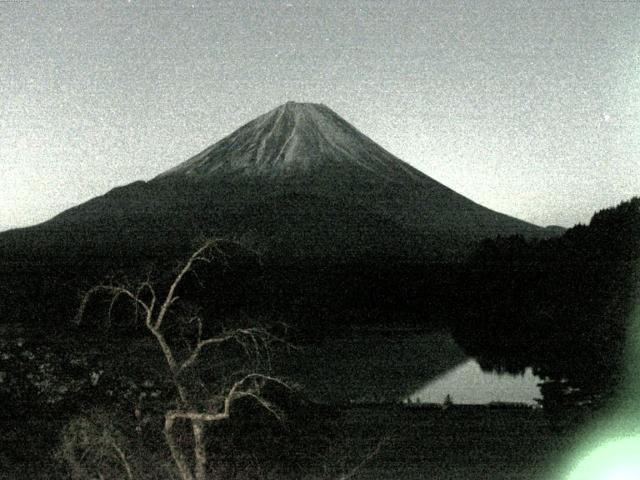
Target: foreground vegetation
361,442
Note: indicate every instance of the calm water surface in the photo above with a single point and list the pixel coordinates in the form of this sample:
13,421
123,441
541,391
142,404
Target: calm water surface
469,384
423,368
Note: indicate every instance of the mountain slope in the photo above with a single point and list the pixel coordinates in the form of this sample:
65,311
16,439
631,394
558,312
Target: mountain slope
298,182
292,140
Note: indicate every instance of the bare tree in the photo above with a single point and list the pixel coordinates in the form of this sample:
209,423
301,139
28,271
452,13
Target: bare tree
157,311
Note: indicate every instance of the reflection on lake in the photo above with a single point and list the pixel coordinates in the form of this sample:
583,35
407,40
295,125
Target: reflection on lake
469,384
370,367
378,368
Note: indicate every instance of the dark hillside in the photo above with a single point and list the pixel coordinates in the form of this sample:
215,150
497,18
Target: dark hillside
561,305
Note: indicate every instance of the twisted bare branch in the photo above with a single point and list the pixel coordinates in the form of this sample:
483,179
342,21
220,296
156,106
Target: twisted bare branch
202,254
155,312
368,458
116,292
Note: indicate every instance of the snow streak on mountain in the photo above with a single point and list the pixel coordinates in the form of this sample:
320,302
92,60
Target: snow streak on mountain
295,139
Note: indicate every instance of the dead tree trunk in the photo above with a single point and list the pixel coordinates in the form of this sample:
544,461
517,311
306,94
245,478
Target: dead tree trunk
154,314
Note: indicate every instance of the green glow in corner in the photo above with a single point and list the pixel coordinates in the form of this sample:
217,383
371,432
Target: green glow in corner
616,460
610,448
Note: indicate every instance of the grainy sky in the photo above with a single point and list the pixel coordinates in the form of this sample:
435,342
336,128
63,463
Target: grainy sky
530,108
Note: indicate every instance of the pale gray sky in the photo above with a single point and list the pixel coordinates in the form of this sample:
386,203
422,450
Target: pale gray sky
530,108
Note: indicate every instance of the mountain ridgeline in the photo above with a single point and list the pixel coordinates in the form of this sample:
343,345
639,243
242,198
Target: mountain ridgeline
302,187
297,182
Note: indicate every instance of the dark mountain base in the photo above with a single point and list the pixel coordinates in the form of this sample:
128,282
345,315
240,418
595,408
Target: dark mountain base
307,296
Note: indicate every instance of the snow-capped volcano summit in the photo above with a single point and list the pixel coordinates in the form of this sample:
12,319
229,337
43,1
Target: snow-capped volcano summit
294,139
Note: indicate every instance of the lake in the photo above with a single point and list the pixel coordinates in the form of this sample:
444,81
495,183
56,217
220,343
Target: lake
469,384
382,368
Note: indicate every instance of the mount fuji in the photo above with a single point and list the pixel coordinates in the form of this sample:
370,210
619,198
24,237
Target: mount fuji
299,183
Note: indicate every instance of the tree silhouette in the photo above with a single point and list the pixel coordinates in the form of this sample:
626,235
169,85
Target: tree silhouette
158,313
559,305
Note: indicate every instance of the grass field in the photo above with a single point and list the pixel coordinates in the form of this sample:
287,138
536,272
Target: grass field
461,443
